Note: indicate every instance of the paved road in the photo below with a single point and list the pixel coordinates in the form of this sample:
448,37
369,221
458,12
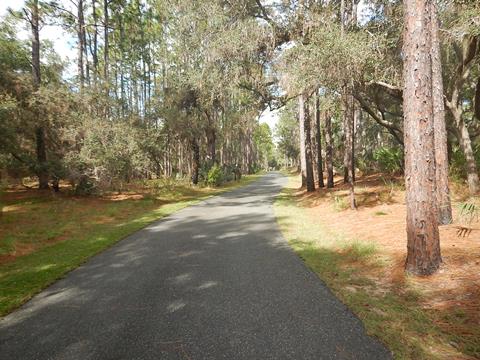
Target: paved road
213,281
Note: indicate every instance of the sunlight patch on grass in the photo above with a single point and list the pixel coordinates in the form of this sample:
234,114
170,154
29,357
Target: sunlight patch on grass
61,233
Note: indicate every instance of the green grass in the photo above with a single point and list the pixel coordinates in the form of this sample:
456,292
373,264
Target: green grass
340,203
88,225
353,270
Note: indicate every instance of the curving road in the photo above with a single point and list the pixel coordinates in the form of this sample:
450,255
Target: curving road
213,281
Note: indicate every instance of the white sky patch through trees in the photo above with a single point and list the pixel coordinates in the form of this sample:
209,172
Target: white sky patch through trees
63,42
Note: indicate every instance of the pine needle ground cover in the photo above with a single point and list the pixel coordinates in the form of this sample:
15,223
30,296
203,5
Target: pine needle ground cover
360,256
44,235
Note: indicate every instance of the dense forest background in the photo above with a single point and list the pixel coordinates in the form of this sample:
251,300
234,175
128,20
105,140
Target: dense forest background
163,89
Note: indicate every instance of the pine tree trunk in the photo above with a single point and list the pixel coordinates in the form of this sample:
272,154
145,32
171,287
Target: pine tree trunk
440,130
42,171
476,100
423,242
466,60
342,16
95,41
196,161
308,149
357,120
80,51
106,43
84,45
301,123
348,164
348,120
319,142
466,145
329,150
211,140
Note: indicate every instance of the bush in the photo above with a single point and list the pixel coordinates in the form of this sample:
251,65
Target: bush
389,160
458,167
112,153
273,164
215,176
85,186
231,173
255,168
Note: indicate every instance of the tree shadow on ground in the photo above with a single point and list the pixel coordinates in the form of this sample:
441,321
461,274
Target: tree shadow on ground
215,279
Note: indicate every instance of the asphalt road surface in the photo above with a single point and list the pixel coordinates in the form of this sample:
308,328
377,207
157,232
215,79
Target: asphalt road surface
213,281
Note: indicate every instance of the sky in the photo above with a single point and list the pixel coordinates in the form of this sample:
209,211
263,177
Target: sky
64,45
63,42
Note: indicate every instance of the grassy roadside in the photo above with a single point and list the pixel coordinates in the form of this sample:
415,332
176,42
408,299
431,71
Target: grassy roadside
355,271
64,232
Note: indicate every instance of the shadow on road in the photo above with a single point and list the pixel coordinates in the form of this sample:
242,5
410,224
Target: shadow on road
215,280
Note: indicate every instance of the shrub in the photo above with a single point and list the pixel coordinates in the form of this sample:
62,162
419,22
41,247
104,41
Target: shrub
255,168
458,167
85,186
340,203
389,160
273,164
215,176
228,174
231,173
112,153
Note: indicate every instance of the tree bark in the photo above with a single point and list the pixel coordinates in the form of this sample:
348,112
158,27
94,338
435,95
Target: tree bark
305,145
81,44
308,149
106,24
196,161
466,61
211,140
348,165
42,171
476,100
318,135
301,123
357,120
348,121
85,48
342,16
466,145
440,129
329,149
423,242
95,41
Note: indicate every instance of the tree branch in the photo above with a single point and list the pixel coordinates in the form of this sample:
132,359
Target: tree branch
393,90
392,129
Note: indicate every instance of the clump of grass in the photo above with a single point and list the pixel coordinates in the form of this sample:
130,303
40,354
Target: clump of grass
469,212
358,251
340,203
380,213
